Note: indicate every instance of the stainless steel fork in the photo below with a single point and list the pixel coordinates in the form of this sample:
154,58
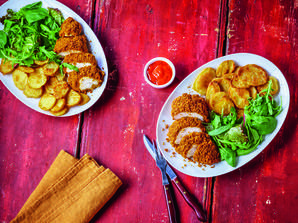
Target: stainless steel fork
162,165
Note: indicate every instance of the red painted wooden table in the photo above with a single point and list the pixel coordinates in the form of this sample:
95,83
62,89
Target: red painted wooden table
190,33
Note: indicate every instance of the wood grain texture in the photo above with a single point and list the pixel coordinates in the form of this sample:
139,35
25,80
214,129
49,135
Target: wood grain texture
133,32
29,143
264,190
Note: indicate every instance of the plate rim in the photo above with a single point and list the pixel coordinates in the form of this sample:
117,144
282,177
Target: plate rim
253,154
67,12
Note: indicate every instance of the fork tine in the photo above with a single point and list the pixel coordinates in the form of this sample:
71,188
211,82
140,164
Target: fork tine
156,149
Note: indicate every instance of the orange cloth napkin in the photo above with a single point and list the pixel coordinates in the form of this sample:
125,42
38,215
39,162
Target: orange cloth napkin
72,190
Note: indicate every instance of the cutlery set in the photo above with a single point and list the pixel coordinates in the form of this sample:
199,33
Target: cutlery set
166,171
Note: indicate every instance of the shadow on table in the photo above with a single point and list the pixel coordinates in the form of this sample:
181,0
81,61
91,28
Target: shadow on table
114,199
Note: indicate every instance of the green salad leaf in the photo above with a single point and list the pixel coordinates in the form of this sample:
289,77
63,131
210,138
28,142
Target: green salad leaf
30,34
236,137
69,66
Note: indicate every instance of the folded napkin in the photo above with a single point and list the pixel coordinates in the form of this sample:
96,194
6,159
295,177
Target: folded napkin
72,190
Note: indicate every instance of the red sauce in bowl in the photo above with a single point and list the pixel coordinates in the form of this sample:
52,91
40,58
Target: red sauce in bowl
159,73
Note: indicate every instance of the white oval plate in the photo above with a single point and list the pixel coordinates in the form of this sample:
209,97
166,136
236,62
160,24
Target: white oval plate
222,167
95,49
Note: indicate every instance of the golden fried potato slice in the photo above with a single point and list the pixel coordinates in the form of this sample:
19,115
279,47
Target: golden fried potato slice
49,86
203,79
6,66
250,75
47,101
36,80
213,88
73,98
32,92
41,62
239,96
85,99
225,67
20,79
60,89
50,69
25,69
253,92
274,86
39,70
221,103
229,76
60,104
60,77
223,83
61,112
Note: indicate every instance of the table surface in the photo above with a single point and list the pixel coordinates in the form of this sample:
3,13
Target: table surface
189,33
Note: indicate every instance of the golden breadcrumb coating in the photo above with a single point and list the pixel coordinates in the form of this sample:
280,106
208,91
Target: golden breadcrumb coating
75,43
70,27
91,72
206,152
74,58
190,103
180,124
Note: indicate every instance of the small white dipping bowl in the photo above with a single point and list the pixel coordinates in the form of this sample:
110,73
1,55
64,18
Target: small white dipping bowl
159,59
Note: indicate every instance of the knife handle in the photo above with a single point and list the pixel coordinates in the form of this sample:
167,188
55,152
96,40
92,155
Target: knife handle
191,202
170,203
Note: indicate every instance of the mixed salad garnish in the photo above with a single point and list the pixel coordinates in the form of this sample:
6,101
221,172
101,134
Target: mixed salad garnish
240,136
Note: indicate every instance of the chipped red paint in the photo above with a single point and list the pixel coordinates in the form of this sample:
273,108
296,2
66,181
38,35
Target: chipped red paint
189,33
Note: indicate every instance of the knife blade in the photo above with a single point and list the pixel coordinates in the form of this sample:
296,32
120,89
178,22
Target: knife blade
201,215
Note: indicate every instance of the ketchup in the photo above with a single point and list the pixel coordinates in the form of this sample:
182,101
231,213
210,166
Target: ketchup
159,72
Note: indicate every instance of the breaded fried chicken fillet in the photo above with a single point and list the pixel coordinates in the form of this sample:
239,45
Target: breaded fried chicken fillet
188,105
68,45
86,79
182,127
200,147
70,27
80,60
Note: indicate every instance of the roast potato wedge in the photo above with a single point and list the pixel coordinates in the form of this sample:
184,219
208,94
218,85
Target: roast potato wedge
61,112
221,103
225,67
239,96
253,92
26,69
213,88
85,98
223,83
32,92
20,79
47,101
60,89
250,75
6,66
49,86
274,86
60,104
73,98
50,69
41,62
36,80
203,79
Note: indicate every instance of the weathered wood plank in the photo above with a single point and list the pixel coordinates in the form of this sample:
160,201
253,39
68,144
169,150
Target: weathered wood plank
29,142
131,34
264,190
